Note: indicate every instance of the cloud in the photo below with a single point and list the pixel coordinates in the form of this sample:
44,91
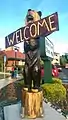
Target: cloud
60,45
2,44
61,48
21,46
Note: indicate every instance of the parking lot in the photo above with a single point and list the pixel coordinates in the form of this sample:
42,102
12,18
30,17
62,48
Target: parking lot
64,75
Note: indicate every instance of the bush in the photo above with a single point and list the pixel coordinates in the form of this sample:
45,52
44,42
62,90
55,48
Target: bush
54,92
19,83
41,62
56,80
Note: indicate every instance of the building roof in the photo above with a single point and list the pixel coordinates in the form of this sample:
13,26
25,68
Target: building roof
2,53
11,54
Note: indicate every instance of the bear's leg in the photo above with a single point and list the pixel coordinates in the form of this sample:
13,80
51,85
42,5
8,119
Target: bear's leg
29,79
25,74
36,76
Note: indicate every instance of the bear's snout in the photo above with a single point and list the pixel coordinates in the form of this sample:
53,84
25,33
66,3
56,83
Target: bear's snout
29,18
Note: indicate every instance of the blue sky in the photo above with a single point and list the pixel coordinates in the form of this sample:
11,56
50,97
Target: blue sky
13,12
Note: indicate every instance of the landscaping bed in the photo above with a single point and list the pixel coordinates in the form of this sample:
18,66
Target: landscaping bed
11,91
10,95
55,95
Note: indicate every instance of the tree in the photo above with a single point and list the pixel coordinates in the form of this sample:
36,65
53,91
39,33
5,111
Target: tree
63,60
66,57
1,64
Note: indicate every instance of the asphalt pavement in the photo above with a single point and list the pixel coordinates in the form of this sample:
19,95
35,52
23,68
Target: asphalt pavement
65,71
64,75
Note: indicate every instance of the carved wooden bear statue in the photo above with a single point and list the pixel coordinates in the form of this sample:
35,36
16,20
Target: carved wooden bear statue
32,71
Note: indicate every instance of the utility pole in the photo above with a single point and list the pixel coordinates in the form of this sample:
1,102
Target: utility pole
16,48
4,64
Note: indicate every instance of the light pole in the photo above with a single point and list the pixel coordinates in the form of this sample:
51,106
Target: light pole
16,48
4,64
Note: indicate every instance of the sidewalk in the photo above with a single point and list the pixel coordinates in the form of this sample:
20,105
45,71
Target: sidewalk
4,82
49,114
4,73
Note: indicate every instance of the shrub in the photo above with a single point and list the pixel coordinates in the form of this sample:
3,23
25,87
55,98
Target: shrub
54,92
56,80
19,83
41,62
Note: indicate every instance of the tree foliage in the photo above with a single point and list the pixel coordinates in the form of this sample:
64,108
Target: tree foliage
63,60
1,64
66,57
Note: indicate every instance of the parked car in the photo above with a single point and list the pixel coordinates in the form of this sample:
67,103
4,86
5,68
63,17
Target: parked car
66,66
59,67
55,71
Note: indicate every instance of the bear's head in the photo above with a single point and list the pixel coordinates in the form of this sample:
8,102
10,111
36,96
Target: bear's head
32,16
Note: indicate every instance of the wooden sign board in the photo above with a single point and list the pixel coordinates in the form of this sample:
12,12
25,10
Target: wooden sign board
43,27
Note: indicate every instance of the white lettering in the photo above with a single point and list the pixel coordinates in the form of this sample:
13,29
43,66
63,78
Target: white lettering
21,39
44,23
25,33
11,41
35,30
52,27
18,36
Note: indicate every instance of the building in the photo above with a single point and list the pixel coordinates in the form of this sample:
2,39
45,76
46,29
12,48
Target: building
13,57
56,59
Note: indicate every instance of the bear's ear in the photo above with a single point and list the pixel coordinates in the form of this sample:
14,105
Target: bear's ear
29,10
40,13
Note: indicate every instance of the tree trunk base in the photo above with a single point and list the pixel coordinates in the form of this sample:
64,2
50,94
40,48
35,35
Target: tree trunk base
32,103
